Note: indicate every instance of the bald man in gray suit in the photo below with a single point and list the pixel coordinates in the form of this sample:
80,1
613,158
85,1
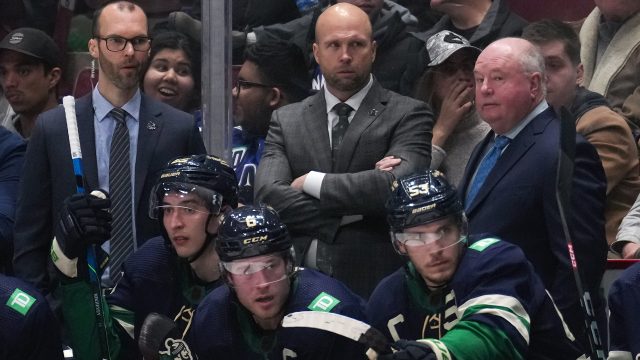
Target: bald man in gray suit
329,161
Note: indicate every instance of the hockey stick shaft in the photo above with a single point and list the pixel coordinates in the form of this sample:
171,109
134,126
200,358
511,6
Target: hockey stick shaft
94,278
564,179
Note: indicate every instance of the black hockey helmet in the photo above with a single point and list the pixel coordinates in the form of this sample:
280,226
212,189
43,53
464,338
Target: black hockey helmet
421,199
207,176
251,231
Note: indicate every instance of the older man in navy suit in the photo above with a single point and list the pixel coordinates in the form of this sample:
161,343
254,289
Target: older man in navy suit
509,186
148,133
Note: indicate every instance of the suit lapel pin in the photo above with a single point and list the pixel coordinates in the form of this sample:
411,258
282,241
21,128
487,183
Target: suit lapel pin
373,112
151,125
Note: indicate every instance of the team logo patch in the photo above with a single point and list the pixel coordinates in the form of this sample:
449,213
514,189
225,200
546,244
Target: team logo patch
323,302
176,349
20,301
481,245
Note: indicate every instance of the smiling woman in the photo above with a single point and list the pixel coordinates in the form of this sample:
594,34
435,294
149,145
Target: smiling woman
172,75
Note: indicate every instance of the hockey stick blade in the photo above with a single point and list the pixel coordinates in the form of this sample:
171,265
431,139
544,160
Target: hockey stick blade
342,325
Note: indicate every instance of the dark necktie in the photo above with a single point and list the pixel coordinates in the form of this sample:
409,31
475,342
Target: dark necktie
120,193
340,128
485,167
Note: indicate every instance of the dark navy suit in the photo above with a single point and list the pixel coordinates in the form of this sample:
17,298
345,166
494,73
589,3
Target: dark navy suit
517,203
164,134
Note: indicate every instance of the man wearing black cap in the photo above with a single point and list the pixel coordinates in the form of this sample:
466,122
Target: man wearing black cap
30,69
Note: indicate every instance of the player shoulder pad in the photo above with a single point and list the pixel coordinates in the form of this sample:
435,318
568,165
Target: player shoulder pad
20,301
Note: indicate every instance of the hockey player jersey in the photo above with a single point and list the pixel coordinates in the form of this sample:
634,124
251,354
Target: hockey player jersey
223,329
494,307
246,154
28,329
155,280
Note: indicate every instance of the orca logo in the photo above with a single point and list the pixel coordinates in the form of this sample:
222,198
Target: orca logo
176,349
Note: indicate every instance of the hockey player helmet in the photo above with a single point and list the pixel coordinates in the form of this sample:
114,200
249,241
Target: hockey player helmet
251,231
420,199
209,177
251,240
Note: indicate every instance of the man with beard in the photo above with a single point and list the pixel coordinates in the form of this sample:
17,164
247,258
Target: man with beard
329,160
125,136
274,74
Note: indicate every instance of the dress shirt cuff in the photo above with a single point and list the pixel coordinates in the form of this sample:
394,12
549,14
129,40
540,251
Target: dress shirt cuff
313,183
437,157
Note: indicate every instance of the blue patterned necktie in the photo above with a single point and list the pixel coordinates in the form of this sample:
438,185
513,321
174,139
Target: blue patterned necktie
485,167
120,193
340,128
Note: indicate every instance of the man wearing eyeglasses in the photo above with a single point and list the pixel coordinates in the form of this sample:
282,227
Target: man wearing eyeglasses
274,74
126,137
461,299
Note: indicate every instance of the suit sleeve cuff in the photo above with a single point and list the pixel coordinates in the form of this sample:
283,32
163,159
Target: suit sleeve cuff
313,183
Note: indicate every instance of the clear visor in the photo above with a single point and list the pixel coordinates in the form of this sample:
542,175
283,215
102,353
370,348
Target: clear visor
258,271
445,237
189,200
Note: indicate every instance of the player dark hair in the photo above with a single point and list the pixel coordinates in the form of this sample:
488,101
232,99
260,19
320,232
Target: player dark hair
208,177
282,64
548,30
422,198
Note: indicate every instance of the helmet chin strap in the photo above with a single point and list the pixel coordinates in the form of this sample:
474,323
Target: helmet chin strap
207,241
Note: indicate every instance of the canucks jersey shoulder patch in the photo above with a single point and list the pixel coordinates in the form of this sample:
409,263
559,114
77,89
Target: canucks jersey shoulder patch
483,244
20,301
323,302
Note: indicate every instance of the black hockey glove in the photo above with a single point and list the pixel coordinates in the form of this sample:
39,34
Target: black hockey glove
409,350
84,220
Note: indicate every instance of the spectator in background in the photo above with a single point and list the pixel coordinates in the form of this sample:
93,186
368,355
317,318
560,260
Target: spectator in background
274,74
448,86
12,149
391,25
606,130
29,73
322,166
479,21
509,185
172,74
624,297
610,53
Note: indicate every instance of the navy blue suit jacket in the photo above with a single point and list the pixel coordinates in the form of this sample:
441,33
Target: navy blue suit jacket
12,149
165,133
517,202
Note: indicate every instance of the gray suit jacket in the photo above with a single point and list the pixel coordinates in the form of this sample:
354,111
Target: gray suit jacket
298,142
165,133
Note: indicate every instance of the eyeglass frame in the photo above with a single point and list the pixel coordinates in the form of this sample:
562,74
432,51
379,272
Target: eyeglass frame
126,41
240,84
